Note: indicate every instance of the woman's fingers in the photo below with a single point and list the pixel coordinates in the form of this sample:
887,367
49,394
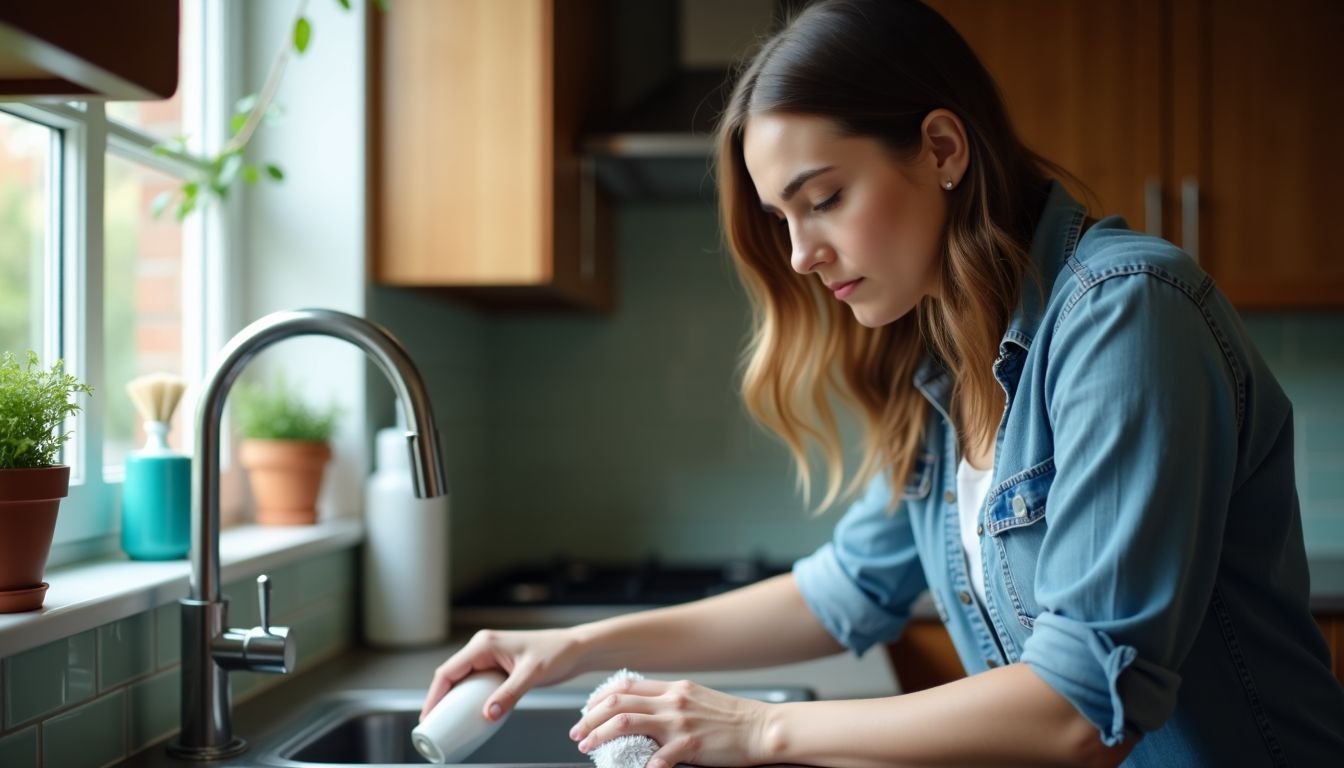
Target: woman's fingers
690,723
600,711
477,654
510,691
445,676
639,687
625,724
638,696
674,752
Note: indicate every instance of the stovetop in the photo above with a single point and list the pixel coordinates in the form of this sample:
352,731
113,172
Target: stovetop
575,582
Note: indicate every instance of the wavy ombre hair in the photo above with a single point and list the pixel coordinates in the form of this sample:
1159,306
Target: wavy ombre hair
875,69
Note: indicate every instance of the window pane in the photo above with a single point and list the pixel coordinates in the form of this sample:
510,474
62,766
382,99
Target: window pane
25,208
161,119
142,298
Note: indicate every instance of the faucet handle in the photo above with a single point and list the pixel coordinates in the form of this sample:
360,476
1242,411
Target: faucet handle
264,601
262,648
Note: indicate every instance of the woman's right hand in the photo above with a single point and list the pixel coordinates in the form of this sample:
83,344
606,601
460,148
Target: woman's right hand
530,658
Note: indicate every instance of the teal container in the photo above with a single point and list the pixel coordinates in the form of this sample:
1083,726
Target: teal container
156,506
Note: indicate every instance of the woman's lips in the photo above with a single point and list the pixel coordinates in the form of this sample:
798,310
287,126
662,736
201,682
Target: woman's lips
843,290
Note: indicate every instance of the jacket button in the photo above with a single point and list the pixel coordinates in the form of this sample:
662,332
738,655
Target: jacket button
964,597
1019,506
949,496
991,663
980,529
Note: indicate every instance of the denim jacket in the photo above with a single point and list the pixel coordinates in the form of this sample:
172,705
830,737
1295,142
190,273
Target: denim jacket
1141,539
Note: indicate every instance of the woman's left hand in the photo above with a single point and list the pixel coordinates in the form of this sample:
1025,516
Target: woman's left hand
691,723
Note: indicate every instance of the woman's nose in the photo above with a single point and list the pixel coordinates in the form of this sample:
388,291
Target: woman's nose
808,254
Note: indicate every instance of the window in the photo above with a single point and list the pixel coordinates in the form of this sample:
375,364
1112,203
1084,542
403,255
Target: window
26,248
89,274
142,298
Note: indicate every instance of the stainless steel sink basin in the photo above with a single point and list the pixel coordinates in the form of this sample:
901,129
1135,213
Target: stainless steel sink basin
373,727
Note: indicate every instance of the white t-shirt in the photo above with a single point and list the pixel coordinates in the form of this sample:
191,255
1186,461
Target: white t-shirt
972,488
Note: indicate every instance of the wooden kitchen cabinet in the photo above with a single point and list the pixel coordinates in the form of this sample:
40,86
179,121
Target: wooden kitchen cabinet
924,657
1083,85
1213,124
1257,124
478,184
1332,626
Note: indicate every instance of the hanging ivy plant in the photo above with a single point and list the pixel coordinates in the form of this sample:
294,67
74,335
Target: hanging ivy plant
229,165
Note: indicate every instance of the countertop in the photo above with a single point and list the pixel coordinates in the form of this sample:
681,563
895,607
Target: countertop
258,720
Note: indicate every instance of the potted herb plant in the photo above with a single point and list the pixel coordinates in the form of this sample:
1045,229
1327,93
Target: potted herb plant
285,449
34,404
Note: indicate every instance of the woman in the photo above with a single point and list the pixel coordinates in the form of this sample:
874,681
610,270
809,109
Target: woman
1094,465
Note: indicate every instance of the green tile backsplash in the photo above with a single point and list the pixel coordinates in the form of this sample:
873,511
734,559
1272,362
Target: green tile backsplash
48,678
623,435
19,749
167,635
125,650
48,693
1306,353
89,736
153,709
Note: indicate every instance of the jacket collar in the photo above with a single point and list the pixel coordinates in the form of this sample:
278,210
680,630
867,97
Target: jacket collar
1052,245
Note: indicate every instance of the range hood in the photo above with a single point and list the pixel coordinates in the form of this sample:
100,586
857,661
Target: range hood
671,67
662,148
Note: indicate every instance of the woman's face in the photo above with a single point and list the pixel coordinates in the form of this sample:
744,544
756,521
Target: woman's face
868,226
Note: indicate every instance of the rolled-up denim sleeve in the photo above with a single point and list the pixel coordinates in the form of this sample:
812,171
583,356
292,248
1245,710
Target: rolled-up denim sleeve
862,583
1143,403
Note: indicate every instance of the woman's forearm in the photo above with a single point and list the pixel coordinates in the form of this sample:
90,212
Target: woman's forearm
1006,716
760,625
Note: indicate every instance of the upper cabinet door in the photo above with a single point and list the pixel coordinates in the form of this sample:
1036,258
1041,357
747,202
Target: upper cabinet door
1257,153
1083,84
479,187
90,49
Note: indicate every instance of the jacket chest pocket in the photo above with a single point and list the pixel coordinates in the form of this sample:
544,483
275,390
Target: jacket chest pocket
1015,518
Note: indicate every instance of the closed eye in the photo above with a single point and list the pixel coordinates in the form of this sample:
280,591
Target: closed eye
828,203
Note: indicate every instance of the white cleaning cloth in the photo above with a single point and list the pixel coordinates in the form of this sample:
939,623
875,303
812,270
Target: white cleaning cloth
630,751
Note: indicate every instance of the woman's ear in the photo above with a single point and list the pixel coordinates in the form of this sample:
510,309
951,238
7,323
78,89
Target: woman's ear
945,143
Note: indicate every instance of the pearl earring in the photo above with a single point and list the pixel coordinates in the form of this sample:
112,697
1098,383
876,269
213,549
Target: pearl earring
947,184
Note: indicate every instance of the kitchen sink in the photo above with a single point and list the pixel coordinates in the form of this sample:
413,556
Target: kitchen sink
373,727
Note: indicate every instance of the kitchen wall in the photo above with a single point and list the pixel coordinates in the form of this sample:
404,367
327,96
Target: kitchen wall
615,436
98,696
1306,353
622,436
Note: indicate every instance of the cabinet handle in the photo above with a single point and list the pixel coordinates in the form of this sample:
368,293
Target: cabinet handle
1152,206
1190,216
587,218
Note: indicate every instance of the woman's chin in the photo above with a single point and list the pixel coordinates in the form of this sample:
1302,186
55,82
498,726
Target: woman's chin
871,316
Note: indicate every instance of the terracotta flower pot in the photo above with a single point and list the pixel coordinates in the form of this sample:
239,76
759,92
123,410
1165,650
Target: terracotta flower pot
286,477
29,501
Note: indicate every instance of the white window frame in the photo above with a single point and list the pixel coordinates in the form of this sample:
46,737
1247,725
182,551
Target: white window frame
89,524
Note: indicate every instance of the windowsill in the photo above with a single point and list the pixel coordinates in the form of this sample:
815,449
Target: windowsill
92,593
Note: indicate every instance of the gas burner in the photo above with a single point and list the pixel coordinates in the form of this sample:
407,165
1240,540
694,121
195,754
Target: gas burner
567,581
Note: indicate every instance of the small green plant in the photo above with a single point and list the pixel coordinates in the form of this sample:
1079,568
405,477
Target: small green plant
222,169
34,404
279,412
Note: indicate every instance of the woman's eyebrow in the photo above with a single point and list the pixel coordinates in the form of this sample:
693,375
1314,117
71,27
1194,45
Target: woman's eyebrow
793,186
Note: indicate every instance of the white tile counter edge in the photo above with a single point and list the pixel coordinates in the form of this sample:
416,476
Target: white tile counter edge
92,593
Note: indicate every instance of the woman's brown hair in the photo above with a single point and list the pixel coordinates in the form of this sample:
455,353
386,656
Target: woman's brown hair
876,68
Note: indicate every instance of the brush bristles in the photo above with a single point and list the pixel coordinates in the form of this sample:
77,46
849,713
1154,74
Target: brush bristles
156,395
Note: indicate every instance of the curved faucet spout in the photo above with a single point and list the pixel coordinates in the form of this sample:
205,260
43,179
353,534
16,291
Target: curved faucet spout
209,647
386,351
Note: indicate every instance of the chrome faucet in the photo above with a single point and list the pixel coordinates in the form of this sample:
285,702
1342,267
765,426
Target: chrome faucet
209,647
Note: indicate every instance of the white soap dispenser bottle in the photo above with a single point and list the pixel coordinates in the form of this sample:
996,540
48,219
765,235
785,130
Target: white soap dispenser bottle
405,552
